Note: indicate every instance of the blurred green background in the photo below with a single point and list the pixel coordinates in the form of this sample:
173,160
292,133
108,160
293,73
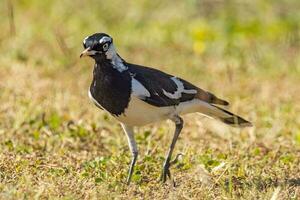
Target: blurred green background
255,35
54,144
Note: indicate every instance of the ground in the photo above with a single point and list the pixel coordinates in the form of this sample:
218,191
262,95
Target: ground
55,144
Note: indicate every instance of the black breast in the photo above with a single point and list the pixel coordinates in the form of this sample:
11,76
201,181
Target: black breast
111,88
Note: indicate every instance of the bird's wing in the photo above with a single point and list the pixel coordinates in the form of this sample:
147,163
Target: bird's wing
160,89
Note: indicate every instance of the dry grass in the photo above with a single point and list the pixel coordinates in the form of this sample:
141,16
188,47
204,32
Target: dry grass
56,145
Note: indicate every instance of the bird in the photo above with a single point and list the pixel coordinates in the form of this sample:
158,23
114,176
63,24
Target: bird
137,95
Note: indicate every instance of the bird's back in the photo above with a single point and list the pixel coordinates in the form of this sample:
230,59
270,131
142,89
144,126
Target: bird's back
167,90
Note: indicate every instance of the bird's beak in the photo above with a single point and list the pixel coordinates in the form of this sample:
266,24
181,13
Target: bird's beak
86,52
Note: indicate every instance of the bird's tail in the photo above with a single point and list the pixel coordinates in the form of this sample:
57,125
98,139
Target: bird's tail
225,116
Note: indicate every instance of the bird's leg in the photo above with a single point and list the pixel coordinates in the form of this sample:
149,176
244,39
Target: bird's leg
166,171
132,164
133,148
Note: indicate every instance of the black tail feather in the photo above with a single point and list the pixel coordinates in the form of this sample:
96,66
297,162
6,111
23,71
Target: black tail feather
215,100
233,120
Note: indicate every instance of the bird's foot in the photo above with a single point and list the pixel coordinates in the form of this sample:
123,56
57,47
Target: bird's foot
165,172
166,169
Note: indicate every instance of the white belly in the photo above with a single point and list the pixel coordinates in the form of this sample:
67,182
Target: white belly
140,113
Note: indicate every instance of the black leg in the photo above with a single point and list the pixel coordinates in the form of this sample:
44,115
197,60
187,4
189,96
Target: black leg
166,167
133,148
131,168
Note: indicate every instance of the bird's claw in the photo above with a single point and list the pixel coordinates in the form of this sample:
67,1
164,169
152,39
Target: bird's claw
165,172
166,169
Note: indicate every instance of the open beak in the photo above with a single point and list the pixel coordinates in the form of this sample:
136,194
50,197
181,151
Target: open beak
86,52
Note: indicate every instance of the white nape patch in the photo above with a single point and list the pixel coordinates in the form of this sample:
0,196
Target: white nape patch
94,100
180,89
138,89
116,61
105,39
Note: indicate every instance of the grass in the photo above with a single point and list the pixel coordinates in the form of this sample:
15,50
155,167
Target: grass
54,144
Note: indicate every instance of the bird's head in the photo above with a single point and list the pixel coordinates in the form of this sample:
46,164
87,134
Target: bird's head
97,46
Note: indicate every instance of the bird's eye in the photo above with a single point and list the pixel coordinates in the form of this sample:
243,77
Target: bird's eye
105,47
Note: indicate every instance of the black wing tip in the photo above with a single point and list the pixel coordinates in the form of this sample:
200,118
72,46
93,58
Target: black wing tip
220,102
215,100
234,120
225,103
237,122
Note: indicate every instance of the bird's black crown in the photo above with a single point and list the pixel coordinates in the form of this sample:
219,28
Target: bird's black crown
98,42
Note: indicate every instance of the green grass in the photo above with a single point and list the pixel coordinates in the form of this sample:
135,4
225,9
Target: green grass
55,144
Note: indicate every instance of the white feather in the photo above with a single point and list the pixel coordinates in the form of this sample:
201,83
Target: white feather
84,40
104,39
139,112
116,61
138,89
180,89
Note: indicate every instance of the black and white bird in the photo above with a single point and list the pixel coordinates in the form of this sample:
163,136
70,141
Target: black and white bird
137,95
